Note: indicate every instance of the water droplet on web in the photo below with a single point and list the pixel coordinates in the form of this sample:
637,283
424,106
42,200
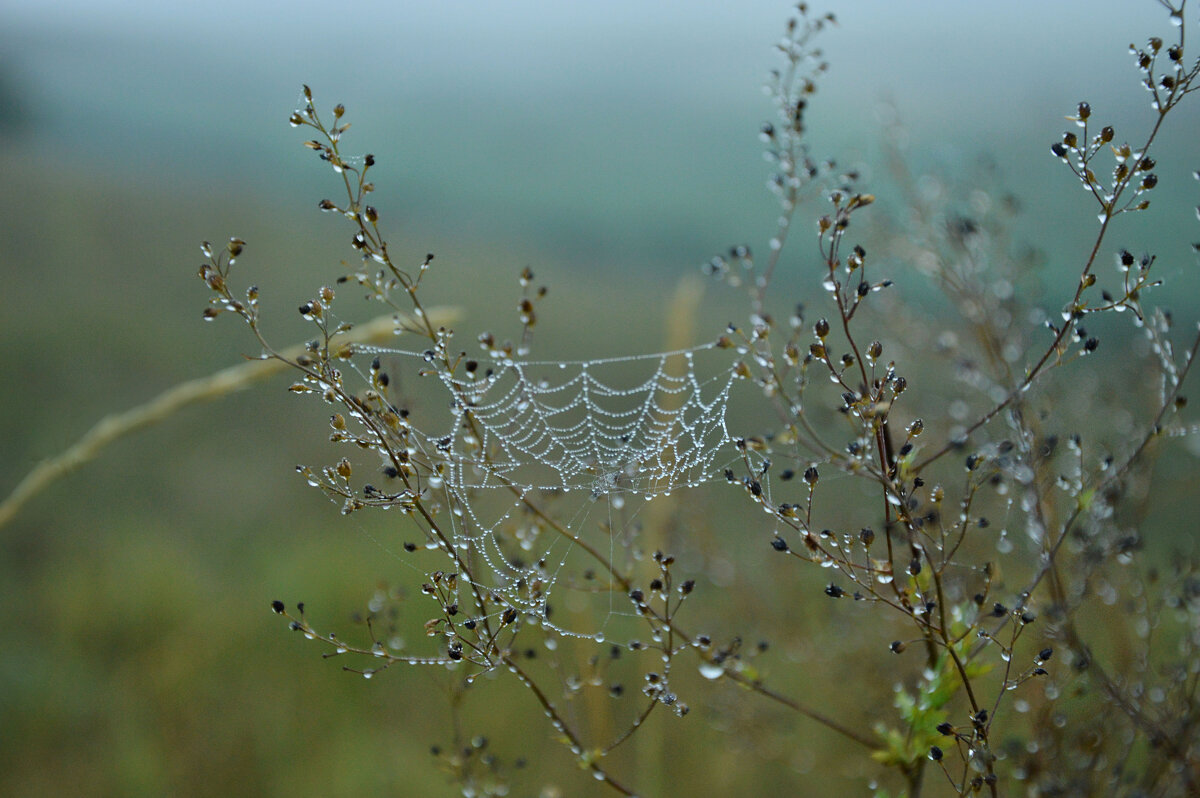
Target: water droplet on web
710,670
1004,545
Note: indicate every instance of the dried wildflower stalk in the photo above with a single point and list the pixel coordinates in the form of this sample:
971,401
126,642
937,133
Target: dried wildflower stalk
974,617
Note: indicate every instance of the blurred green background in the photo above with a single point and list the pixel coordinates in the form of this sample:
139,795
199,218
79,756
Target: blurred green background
610,147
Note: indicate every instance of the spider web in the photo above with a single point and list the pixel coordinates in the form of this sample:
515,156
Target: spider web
585,431
608,432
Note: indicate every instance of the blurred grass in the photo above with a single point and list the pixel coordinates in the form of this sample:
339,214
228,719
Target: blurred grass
142,658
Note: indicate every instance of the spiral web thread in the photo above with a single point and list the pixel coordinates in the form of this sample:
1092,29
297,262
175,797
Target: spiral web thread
525,430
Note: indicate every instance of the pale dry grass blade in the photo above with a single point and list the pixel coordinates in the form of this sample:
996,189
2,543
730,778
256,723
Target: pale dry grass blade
204,389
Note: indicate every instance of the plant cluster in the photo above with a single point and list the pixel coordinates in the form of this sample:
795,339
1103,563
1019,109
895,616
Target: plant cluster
995,538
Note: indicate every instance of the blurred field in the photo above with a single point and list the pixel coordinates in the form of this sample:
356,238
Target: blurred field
140,657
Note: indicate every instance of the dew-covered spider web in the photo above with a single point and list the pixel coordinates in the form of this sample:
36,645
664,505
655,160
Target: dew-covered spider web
575,426
543,464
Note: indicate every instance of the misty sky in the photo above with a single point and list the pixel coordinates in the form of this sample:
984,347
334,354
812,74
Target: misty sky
541,108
